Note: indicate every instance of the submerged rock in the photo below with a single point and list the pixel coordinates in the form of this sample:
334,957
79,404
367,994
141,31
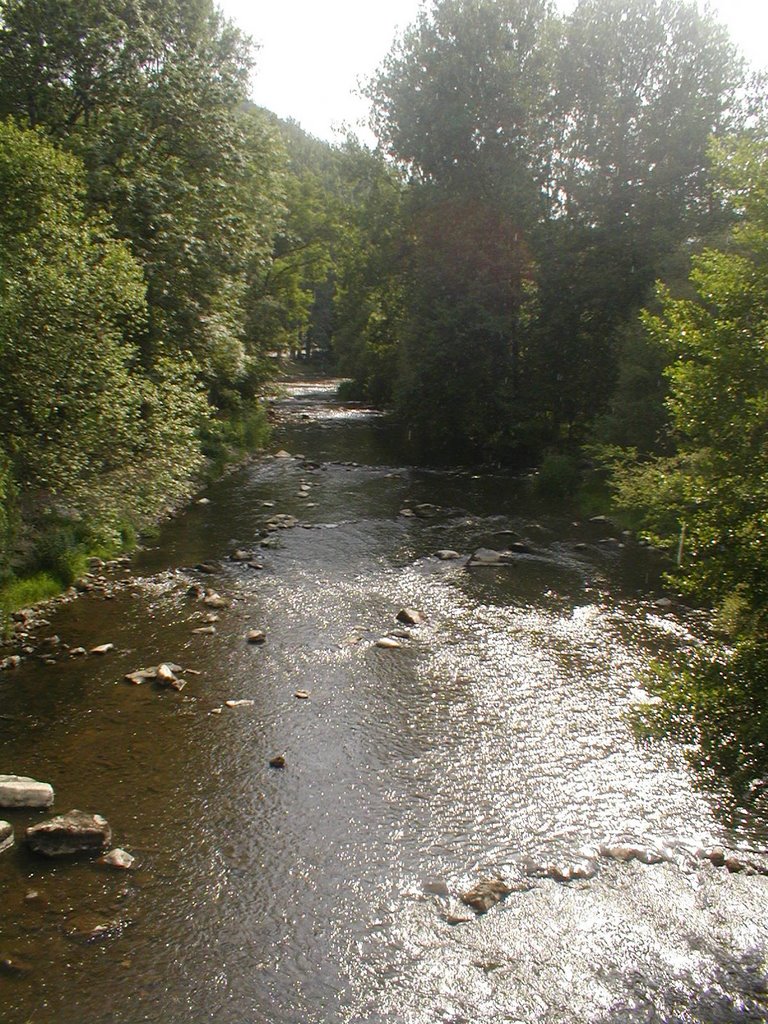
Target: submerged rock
67,834
6,835
277,762
447,555
20,791
485,894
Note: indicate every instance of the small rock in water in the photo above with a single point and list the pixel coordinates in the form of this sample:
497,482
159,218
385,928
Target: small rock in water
485,894
118,858
277,762
241,556
238,703
663,603
207,568
410,616
12,662
141,675
447,555
255,565
165,675
102,649
302,694
203,501
427,511
15,965
67,834
77,652
214,600
388,643
283,454
256,636
205,630
407,513
20,791
6,835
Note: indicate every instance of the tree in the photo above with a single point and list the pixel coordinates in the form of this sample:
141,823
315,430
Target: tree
715,486
85,430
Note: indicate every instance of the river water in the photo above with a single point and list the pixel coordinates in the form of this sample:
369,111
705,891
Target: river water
494,737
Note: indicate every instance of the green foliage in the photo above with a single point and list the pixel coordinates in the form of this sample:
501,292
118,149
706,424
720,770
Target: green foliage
716,483
559,476
16,594
716,703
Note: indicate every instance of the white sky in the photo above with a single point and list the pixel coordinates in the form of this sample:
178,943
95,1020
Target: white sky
314,52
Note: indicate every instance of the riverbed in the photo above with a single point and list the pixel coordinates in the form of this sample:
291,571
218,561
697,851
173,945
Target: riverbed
487,740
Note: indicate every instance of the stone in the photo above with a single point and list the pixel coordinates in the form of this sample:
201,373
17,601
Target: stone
165,675
13,661
241,556
410,616
426,511
140,676
203,501
68,834
663,602
214,600
119,859
256,636
239,703
207,568
283,454
302,694
277,762
20,791
485,894
102,649
205,630
77,652
447,555
388,643
15,965
255,565
407,513
282,521
486,556
6,835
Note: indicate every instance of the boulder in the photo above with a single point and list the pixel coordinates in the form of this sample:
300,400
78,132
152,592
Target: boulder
410,616
6,835
19,791
67,834
485,894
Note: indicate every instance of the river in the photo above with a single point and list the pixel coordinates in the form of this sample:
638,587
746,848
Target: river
492,739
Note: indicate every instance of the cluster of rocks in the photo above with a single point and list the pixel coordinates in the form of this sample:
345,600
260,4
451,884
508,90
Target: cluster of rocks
585,864
76,832
393,640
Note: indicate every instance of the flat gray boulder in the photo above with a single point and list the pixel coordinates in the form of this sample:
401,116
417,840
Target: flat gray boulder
19,791
6,835
67,834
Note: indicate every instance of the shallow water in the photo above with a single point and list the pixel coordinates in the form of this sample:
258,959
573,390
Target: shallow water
320,893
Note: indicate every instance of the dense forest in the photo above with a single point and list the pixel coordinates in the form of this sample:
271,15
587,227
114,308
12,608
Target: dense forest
556,256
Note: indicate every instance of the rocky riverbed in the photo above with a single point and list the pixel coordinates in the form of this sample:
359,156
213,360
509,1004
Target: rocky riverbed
361,730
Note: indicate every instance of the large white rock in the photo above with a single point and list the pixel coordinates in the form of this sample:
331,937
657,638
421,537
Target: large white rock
6,835
19,791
